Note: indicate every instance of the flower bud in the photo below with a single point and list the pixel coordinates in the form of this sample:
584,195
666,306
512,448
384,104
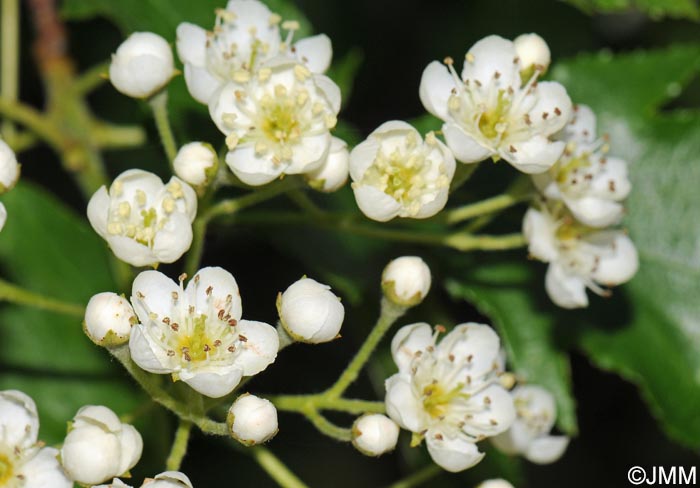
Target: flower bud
142,65
196,163
9,168
533,53
498,483
116,483
310,312
374,434
333,173
99,447
3,215
108,319
406,280
168,479
252,420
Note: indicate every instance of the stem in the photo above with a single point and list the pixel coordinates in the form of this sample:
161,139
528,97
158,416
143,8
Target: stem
92,78
179,447
20,296
150,384
159,104
419,477
275,468
468,242
33,120
298,403
115,136
302,200
327,427
390,312
194,255
9,58
233,205
519,191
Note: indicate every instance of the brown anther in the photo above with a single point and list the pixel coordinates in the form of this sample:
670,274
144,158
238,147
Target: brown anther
557,111
209,290
545,115
451,357
448,61
232,322
171,353
497,74
174,295
207,348
175,326
231,348
221,314
528,121
186,356
418,354
512,149
430,349
140,295
196,279
516,60
493,422
469,358
217,343
439,436
182,277
242,338
611,185
487,400
440,329
166,320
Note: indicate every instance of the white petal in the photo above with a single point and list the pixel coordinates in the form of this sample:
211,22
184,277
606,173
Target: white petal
565,289
539,230
152,292
310,153
223,101
200,83
44,471
552,110
594,211
476,341
620,266
147,354
169,479
376,204
582,126
436,87
133,180
316,52
98,211
250,168
222,284
173,240
464,146
536,155
402,405
261,348
330,90
497,415
408,340
3,215
131,448
540,402
19,421
214,384
452,454
491,55
613,181
362,156
515,440
132,252
191,44
547,449
430,207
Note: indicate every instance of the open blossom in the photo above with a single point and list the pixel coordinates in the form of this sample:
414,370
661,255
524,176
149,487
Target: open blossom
397,174
23,461
491,111
579,256
144,221
277,121
196,333
586,179
99,446
9,167
246,34
529,436
448,392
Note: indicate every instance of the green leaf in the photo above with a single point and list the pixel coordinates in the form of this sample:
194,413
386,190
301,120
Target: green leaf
47,249
656,9
656,341
500,292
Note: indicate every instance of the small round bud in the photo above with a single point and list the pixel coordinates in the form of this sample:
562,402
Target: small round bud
9,168
310,312
3,215
169,479
108,319
499,483
374,434
252,420
99,447
196,163
333,173
533,53
142,65
406,280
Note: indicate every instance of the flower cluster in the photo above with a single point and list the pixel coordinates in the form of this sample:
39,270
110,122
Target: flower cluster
9,174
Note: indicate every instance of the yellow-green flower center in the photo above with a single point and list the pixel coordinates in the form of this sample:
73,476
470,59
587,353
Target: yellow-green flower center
493,121
436,399
6,470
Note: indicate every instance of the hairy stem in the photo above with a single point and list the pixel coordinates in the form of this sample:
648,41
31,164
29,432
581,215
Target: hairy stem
159,104
520,190
419,477
179,447
275,468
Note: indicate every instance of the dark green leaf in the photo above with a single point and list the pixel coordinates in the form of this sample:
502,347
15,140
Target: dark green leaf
654,8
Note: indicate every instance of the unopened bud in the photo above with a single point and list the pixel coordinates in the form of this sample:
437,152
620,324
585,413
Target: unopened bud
108,319
406,281
310,312
252,420
374,434
9,168
196,163
499,483
142,65
533,53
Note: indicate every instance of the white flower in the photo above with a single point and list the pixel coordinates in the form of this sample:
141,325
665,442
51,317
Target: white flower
246,35
374,434
492,112
397,174
142,65
196,333
448,393
144,221
116,483
168,479
3,215
578,256
406,280
333,173
108,319
310,312
591,184
495,483
99,447
529,435
277,120
9,168
196,163
23,461
252,420
533,53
